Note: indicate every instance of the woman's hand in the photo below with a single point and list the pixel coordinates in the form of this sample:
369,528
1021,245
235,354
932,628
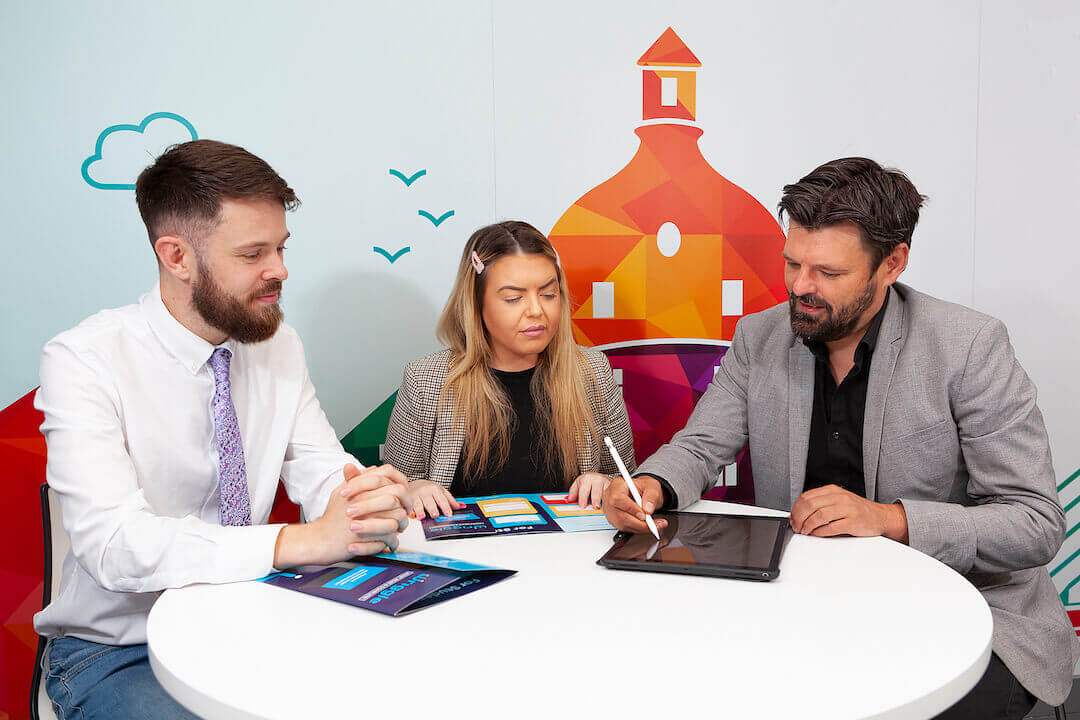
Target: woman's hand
432,499
588,488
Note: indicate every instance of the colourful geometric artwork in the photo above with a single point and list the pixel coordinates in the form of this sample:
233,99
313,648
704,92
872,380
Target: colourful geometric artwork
667,255
365,441
22,457
1065,568
665,383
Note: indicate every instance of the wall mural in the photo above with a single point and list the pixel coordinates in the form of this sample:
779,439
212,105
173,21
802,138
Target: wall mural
1065,570
22,455
122,151
664,258
436,221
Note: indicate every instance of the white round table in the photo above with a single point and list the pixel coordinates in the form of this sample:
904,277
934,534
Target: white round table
852,628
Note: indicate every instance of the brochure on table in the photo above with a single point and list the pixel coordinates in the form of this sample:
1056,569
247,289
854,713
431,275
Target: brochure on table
515,513
390,583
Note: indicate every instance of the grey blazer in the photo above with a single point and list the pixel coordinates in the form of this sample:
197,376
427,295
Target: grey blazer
951,431
426,432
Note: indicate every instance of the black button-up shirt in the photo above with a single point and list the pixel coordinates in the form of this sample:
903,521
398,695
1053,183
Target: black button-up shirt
835,455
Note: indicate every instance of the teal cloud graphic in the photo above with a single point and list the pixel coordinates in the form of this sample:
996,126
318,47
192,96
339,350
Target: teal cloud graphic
122,151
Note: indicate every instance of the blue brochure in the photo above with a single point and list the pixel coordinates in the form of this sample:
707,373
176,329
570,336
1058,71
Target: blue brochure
515,513
390,583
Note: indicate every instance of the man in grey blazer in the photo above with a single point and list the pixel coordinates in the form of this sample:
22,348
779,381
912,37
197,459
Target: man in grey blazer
873,409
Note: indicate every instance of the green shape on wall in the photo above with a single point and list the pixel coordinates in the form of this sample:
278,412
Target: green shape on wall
363,441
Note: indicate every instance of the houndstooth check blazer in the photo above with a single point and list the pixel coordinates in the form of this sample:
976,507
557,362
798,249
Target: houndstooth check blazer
426,433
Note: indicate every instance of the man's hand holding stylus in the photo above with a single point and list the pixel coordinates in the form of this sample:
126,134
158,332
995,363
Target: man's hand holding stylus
621,510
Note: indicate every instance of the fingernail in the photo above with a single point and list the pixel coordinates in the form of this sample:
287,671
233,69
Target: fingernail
649,506
344,492
354,527
350,511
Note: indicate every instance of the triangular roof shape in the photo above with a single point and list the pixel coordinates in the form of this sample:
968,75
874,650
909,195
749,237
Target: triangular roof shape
670,50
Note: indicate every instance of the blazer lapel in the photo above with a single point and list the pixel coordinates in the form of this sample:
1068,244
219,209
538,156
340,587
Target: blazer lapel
882,364
800,407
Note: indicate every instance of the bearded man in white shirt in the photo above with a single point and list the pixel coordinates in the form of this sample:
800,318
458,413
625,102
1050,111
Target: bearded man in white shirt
169,423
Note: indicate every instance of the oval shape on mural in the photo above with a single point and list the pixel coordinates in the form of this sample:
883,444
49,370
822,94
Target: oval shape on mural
668,239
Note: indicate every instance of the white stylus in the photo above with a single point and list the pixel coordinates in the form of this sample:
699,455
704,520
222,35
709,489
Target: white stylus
630,484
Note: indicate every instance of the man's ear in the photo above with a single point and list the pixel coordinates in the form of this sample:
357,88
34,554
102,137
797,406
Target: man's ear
896,262
175,255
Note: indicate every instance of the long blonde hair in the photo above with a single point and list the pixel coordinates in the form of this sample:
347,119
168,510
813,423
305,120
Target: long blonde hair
559,385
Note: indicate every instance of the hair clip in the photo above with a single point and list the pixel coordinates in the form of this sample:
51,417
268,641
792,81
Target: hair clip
558,262
477,265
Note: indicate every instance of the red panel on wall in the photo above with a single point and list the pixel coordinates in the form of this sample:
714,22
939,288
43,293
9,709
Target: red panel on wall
22,459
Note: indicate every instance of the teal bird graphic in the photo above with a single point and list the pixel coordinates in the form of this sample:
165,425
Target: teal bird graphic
436,221
388,256
410,179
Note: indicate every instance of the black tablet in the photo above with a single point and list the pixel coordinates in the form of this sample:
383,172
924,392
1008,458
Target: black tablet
733,546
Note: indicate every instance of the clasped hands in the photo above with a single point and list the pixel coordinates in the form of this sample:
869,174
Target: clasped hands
364,516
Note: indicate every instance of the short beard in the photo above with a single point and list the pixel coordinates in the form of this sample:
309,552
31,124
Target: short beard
836,324
229,315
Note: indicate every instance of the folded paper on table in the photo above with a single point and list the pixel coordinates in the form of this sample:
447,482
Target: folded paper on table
390,583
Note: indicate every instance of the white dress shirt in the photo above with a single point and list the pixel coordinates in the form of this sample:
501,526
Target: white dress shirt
131,454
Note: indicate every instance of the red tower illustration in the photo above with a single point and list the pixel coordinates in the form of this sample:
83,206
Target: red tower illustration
664,257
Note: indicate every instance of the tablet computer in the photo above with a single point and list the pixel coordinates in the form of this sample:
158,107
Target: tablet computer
747,547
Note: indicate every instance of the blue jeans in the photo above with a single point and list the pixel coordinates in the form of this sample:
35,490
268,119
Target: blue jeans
86,680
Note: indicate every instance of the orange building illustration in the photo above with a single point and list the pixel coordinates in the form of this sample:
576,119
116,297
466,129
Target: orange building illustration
664,257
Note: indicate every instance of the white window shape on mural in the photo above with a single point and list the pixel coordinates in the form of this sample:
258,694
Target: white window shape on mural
617,372
603,299
731,297
731,475
669,91
728,476
669,239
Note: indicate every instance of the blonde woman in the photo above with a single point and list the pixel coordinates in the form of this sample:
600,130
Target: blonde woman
513,404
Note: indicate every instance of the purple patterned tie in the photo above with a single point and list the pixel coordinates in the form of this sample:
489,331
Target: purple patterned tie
235,508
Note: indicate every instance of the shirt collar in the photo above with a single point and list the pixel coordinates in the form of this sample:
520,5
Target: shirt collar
866,346
188,348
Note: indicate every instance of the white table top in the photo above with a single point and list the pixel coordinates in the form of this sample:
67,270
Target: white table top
852,628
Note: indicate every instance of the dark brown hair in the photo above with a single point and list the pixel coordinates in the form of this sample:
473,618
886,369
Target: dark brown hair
181,192
882,202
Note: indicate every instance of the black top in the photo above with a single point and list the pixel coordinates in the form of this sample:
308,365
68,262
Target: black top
525,471
835,455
